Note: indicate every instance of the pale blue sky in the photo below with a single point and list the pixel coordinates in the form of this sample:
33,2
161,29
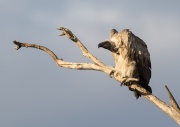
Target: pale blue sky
35,92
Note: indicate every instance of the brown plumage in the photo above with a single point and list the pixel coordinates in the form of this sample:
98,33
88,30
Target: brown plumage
132,59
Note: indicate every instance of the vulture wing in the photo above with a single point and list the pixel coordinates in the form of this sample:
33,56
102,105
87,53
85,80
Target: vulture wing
137,50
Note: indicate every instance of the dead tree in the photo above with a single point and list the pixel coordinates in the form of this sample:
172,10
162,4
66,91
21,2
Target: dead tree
172,110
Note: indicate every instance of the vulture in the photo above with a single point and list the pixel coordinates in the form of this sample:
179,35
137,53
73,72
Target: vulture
132,58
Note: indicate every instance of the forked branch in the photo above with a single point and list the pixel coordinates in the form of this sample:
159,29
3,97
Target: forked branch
84,50
60,62
173,111
173,102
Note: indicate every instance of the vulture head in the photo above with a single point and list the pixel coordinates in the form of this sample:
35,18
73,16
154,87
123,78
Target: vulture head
109,45
105,45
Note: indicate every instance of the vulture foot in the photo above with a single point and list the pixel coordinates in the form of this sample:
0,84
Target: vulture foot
128,81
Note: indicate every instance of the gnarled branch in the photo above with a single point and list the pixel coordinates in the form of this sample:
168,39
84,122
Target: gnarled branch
61,62
173,111
84,50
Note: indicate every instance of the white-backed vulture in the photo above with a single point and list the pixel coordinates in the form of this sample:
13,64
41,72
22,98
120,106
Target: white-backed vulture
132,59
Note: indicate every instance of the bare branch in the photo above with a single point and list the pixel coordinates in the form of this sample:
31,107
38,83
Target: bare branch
61,63
79,66
84,50
174,113
20,44
173,102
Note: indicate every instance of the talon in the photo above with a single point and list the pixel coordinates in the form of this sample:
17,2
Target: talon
132,80
128,81
111,74
123,81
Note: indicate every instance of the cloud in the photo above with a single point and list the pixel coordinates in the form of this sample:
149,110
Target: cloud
35,91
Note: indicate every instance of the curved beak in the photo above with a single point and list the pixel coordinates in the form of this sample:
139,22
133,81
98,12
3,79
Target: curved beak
103,44
100,44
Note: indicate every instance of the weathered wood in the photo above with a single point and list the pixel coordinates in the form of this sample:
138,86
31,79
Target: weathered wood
173,111
173,102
